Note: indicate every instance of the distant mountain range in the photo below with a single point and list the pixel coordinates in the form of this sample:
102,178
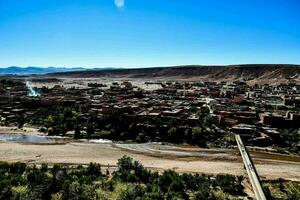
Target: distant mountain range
15,70
252,73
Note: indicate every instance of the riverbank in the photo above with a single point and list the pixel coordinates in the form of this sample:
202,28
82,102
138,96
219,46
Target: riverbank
209,161
155,156
24,130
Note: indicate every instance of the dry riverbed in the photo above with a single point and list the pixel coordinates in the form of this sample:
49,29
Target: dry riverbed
154,156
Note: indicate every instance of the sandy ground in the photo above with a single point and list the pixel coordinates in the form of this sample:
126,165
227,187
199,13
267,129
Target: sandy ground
207,161
83,83
154,156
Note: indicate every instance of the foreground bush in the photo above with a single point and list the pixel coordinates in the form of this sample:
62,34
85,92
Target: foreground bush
130,181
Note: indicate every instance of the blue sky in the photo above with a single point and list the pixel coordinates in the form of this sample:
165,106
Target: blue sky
144,33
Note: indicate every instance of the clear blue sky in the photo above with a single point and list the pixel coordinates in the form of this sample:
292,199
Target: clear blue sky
141,33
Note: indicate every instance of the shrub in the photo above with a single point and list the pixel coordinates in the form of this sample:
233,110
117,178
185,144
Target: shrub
132,171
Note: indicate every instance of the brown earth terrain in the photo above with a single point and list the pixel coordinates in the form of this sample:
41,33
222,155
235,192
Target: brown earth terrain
154,156
212,161
271,74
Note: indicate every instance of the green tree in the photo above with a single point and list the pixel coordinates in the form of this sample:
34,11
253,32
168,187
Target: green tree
77,134
90,130
132,192
199,137
94,170
170,181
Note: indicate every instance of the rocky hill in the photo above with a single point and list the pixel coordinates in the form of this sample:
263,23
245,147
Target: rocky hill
250,73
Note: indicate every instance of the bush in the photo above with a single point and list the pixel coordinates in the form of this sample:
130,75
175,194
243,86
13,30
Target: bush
132,192
170,181
94,170
132,171
130,181
293,196
230,184
17,167
79,191
4,167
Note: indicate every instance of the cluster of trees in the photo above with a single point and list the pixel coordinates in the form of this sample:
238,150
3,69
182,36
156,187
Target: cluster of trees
291,138
287,140
129,181
59,120
282,189
56,120
171,185
19,181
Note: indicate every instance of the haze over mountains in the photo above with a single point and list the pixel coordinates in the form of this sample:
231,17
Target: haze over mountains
15,70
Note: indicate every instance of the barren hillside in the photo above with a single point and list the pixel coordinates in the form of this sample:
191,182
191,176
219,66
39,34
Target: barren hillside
251,73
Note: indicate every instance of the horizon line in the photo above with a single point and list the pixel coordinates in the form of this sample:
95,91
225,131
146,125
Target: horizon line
138,67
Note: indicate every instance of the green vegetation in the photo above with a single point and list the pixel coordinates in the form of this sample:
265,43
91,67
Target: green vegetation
116,126
291,138
129,181
57,120
282,189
